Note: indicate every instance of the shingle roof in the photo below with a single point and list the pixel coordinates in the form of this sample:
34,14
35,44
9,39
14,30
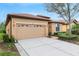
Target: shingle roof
30,16
61,22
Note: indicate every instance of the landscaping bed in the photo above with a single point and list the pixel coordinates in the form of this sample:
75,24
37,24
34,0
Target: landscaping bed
73,38
8,49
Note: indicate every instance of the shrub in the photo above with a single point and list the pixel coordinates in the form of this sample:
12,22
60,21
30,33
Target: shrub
75,32
12,39
9,45
66,36
57,33
49,34
7,39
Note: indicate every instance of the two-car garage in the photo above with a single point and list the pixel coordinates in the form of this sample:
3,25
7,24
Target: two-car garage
27,26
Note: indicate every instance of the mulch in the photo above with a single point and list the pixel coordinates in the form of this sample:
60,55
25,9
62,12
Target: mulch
13,49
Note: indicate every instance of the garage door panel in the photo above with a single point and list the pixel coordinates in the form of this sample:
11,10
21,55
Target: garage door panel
30,32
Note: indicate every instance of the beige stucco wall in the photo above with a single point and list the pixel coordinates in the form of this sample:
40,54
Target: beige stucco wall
49,27
27,21
8,28
53,27
63,27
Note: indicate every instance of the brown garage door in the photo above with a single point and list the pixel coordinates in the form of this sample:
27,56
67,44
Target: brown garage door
30,31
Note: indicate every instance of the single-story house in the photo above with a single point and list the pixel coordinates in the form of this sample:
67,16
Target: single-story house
22,26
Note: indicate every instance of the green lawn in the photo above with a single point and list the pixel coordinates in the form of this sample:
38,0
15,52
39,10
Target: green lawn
1,35
7,53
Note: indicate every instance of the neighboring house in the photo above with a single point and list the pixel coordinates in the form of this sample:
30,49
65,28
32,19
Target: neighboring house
22,26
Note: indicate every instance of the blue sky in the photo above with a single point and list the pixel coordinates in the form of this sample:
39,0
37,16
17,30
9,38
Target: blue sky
30,8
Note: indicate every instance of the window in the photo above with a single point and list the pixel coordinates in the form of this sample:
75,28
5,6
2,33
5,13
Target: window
26,25
29,25
34,25
57,27
17,25
37,25
22,25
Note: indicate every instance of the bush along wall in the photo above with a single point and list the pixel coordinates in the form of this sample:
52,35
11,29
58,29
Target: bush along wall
67,37
8,39
58,33
75,32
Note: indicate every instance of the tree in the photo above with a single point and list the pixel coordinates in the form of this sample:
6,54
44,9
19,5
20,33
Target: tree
2,27
67,11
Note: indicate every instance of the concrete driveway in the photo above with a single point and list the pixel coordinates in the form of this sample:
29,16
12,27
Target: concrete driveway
44,46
